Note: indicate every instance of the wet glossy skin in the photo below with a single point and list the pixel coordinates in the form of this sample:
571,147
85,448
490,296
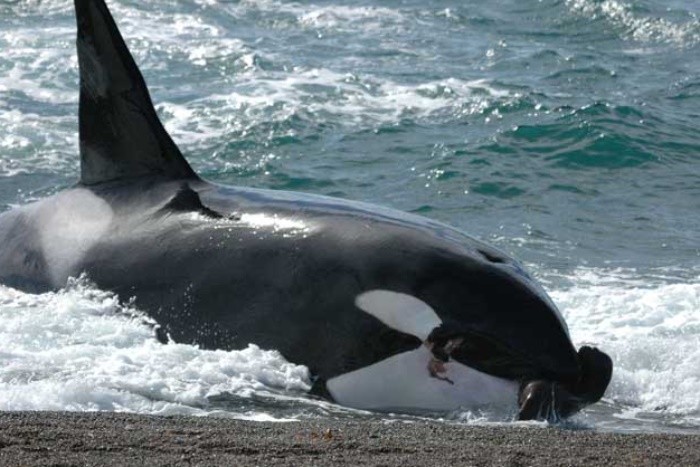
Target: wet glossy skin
293,262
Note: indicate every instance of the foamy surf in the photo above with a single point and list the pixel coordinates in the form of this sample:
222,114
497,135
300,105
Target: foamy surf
651,329
637,23
78,349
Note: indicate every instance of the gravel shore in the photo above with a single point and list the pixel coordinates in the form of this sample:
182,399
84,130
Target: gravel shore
112,439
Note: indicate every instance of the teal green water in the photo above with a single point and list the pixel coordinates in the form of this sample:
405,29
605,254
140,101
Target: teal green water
564,132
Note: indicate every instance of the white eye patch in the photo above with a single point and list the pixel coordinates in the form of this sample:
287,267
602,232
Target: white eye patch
399,311
403,381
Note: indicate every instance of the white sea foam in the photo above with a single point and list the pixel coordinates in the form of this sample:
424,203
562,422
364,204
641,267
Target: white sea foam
34,87
30,7
636,26
243,98
79,350
358,102
652,332
34,143
38,69
337,17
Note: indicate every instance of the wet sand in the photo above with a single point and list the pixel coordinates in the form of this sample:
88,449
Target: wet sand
109,439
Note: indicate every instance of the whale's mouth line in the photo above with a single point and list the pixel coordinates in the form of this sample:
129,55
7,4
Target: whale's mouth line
539,397
553,401
446,339
483,353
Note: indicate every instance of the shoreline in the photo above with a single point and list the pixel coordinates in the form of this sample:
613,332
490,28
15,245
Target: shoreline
116,439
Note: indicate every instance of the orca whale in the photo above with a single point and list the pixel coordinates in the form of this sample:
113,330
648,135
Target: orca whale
388,310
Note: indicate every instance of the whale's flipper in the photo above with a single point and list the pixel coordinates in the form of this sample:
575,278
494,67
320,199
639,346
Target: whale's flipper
121,136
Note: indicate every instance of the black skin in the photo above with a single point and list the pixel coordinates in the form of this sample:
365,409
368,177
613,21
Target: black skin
220,283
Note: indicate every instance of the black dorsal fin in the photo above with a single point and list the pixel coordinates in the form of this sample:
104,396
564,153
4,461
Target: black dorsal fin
121,136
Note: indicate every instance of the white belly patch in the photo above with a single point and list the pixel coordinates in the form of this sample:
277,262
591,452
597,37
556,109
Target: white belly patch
403,382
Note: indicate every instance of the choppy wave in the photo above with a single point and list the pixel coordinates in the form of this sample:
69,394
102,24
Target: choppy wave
329,16
638,24
323,97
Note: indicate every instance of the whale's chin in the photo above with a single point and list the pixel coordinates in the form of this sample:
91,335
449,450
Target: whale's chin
553,401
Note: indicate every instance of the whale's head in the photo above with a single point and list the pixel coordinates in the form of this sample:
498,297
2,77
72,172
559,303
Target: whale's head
483,311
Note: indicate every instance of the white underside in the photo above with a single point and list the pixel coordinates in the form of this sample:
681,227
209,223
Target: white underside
403,382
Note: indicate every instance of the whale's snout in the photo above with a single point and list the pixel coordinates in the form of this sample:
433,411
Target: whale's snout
553,401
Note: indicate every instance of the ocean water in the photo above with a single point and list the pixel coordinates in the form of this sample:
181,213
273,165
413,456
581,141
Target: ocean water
562,131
